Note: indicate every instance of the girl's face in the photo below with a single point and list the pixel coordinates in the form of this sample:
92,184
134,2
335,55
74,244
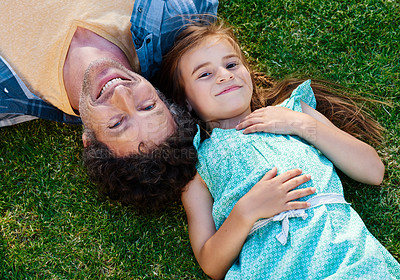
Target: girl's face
218,86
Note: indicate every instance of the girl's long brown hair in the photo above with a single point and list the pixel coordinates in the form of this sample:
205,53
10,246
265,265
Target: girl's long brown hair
344,110
348,112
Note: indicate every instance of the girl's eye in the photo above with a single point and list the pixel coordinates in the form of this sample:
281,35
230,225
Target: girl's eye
231,65
203,75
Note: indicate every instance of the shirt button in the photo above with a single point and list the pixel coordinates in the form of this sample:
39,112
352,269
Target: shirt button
140,10
148,40
137,42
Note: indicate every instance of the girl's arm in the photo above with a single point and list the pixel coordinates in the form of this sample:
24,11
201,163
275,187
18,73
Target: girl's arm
214,250
355,158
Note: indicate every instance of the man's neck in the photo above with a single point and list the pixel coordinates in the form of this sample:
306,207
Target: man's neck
86,47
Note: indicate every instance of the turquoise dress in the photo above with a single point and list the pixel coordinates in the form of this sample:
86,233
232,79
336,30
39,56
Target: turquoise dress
329,242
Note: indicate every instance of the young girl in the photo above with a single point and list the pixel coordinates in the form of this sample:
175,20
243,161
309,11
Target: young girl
239,231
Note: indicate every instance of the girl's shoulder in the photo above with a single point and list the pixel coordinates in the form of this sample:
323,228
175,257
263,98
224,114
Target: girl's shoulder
217,137
303,93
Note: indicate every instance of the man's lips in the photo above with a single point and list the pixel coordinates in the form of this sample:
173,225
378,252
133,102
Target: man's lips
105,82
109,91
228,89
107,85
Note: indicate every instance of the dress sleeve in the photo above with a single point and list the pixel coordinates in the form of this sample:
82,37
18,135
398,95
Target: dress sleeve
303,93
196,139
202,158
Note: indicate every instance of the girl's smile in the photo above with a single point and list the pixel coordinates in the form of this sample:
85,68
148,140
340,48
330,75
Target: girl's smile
228,89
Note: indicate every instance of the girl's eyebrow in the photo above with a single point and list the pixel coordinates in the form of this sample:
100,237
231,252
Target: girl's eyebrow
206,63
230,56
199,66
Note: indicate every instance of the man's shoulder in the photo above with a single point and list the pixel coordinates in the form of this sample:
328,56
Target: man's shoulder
18,104
156,23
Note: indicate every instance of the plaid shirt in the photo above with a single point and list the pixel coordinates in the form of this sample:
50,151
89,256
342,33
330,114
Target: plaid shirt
18,104
154,26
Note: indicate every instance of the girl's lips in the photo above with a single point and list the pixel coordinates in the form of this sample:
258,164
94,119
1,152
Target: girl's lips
228,89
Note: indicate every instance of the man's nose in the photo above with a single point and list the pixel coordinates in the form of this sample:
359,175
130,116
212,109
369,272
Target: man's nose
123,99
224,75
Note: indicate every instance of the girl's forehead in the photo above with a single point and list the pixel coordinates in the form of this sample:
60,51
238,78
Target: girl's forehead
214,44
217,40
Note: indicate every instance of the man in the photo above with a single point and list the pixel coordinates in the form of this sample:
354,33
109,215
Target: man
61,59
47,48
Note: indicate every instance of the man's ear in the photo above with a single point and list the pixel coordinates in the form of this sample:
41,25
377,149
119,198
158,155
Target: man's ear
188,106
85,140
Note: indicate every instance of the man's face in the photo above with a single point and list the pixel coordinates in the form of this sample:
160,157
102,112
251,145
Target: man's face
122,108
86,47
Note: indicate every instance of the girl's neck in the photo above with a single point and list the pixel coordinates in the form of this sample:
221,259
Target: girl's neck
228,123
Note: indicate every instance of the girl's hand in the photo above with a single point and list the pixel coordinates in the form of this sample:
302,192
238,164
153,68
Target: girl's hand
355,158
273,195
217,250
272,119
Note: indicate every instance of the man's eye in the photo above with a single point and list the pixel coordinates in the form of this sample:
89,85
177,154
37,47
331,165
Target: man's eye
148,108
116,124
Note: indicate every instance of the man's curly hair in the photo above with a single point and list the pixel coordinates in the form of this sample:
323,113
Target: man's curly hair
149,181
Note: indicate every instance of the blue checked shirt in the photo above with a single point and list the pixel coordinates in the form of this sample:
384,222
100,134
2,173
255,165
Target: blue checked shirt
154,26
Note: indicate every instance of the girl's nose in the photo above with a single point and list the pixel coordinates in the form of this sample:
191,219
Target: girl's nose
123,99
224,75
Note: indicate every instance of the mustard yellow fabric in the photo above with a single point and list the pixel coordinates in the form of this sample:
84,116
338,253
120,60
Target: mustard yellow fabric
35,37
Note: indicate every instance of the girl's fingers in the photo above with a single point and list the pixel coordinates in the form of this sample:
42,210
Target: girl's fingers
296,194
297,205
296,181
248,122
270,174
290,176
289,179
256,128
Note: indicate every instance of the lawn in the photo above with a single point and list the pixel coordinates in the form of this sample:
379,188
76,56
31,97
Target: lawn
53,225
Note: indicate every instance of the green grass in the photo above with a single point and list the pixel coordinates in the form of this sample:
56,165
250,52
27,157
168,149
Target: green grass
54,226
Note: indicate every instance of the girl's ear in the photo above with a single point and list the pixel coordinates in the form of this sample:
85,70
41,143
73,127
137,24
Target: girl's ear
188,106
